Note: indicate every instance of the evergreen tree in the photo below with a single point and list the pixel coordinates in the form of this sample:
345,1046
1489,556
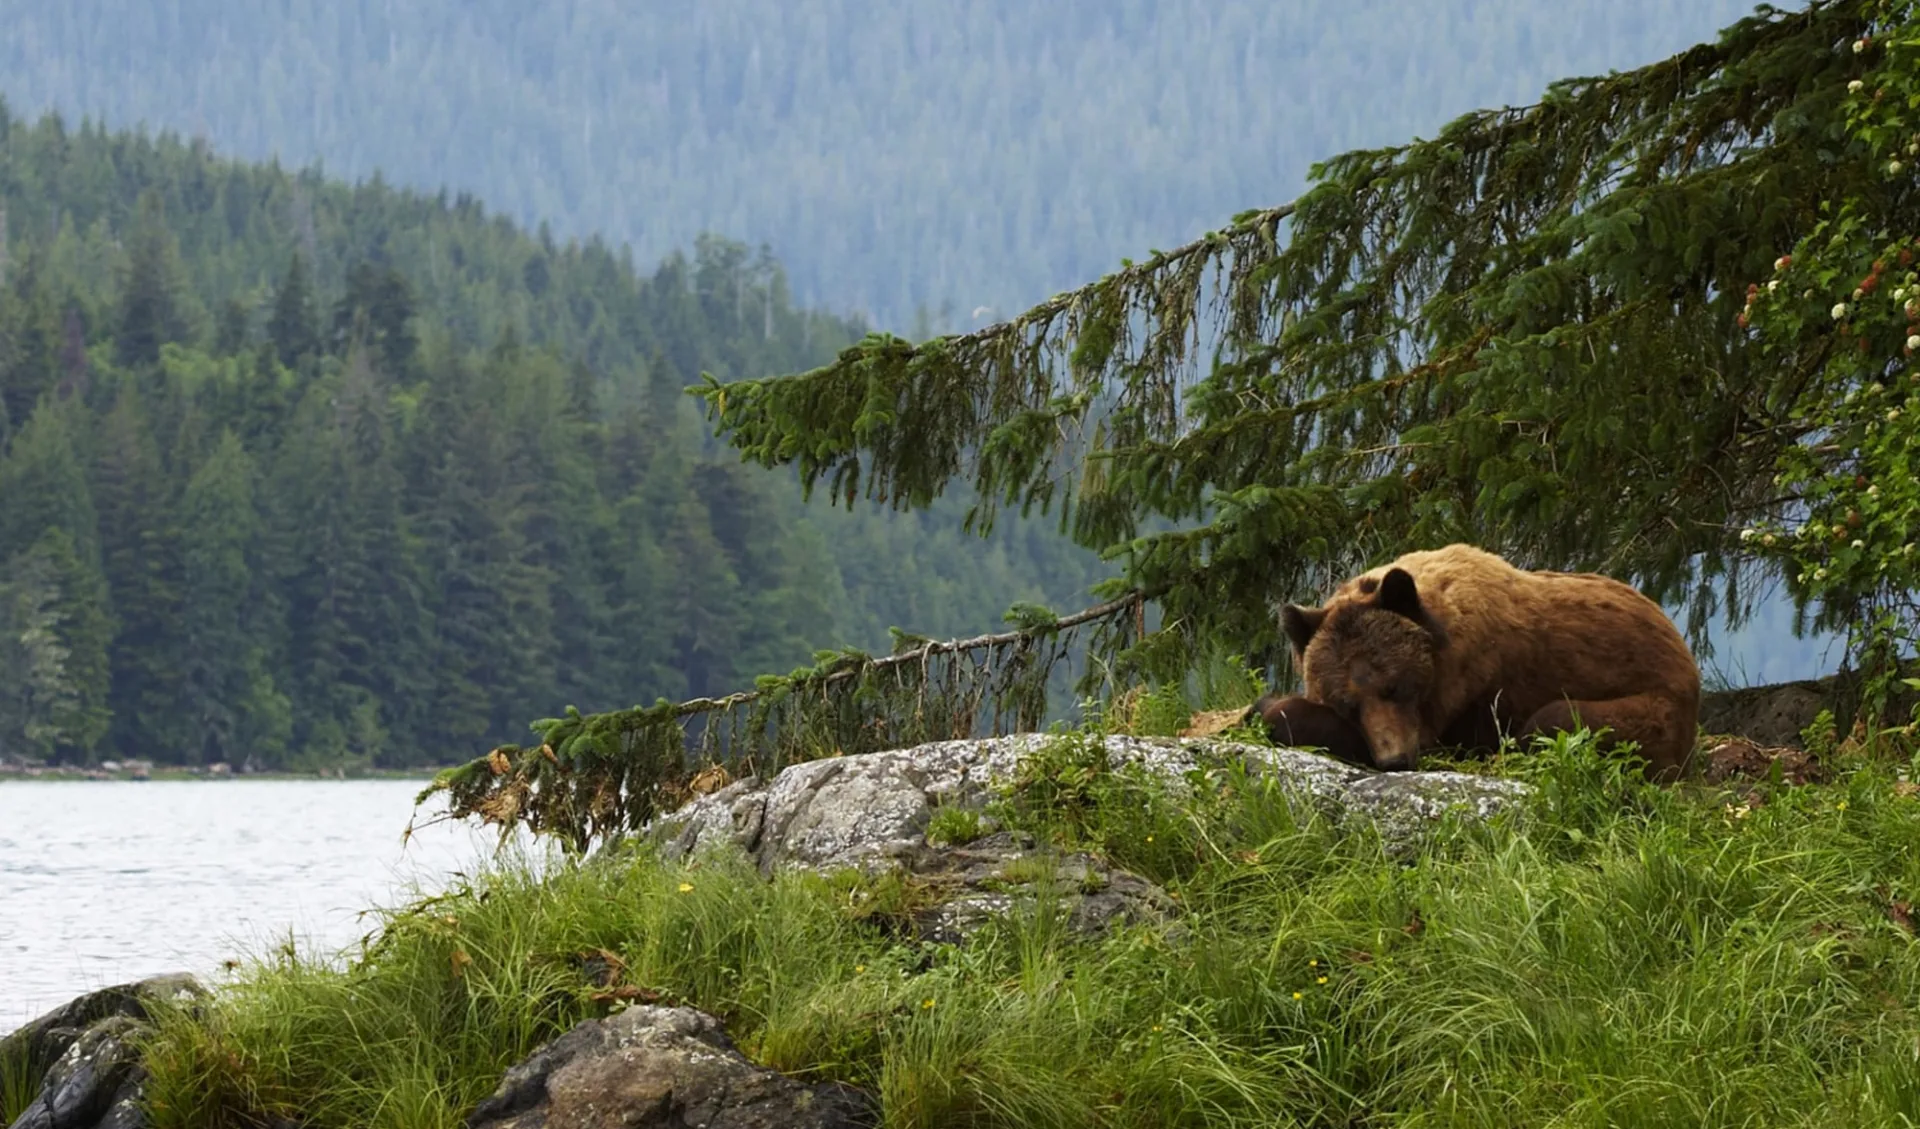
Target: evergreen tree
491,612
43,482
290,329
29,344
75,371
377,311
53,652
234,328
153,302
227,691
141,558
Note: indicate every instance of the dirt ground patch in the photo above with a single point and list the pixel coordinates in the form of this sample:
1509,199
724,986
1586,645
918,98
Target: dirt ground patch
1740,758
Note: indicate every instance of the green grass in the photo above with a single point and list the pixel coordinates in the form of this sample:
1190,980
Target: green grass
954,826
19,1082
1619,955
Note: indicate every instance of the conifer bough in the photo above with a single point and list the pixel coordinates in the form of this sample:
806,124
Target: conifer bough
1523,332
1527,332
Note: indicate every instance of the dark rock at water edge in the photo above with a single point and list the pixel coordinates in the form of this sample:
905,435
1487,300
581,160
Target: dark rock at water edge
87,1051
96,1083
660,1068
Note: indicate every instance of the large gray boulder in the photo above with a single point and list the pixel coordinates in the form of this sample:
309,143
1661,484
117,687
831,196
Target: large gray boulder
660,1068
871,811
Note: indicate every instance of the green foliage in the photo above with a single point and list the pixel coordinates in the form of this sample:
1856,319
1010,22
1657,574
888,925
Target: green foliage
227,686
54,624
954,826
1843,300
1621,955
1523,333
1821,736
19,1083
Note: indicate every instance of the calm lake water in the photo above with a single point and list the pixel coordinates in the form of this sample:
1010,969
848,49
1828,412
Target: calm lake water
106,882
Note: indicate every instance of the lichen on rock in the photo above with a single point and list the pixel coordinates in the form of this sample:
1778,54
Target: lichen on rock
871,811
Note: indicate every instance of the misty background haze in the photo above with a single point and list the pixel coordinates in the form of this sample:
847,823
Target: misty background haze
928,166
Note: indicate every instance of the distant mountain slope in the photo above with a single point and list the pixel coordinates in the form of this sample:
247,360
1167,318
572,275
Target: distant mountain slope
895,155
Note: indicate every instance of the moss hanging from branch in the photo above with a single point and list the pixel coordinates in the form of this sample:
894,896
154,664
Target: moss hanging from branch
594,776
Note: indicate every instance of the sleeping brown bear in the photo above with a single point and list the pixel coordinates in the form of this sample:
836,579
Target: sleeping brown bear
1456,647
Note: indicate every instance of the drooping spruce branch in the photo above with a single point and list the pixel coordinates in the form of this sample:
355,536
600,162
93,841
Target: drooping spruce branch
1522,333
1527,332
595,776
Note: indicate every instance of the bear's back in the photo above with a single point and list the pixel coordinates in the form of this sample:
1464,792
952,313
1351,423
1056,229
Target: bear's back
1537,634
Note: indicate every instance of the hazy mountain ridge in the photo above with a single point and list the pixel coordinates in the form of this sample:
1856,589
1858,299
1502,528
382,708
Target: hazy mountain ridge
894,156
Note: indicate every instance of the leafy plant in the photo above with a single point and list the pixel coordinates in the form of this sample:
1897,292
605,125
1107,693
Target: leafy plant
1844,298
954,825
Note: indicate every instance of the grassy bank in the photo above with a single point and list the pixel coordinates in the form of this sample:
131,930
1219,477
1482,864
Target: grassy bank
1619,955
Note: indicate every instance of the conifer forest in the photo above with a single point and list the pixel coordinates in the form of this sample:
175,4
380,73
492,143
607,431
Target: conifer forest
309,476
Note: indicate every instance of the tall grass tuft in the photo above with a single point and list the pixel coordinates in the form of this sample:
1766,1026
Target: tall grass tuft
1611,955
19,1082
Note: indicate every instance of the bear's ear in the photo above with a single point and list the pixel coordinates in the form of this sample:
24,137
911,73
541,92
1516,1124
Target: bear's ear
1300,624
1399,596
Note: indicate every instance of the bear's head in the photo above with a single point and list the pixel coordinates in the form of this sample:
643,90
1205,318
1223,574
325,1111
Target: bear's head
1370,655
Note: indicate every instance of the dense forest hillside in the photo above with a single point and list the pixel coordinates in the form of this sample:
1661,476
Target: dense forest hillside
895,155
308,474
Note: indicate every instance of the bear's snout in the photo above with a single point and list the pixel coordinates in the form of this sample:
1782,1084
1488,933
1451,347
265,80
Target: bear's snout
1393,733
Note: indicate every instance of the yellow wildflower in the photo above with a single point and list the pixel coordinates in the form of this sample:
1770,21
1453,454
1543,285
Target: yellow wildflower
686,887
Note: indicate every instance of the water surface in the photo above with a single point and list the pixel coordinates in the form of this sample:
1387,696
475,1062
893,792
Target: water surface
105,882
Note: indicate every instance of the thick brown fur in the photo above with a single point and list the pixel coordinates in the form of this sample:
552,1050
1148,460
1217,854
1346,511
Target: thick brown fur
1298,723
1457,647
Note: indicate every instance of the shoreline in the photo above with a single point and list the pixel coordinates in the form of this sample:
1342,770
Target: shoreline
14,772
